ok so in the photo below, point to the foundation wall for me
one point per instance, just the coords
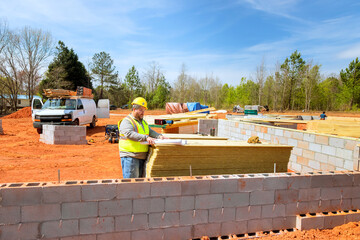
(63, 135)
(172, 208)
(311, 152)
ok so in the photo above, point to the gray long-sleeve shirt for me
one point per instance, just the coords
(128, 130)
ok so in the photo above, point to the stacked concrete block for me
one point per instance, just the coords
(63, 135)
(205, 126)
(311, 152)
(178, 208)
(1, 129)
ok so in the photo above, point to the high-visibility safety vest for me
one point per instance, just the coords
(127, 145)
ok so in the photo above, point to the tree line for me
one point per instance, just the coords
(296, 84)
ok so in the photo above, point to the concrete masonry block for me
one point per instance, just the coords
(275, 182)
(249, 212)
(282, 223)
(96, 192)
(40, 213)
(250, 184)
(165, 189)
(148, 205)
(355, 203)
(131, 222)
(286, 196)
(10, 215)
(335, 161)
(279, 132)
(79, 210)
(299, 182)
(236, 199)
(133, 190)
(148, 234)
(178, 233)
(310, 222)
(308, 154)
(257, 225)
(262, 197)
(310, 194)
(314, 165)
(322, 139)
(344, 153)
(297, 151)
(332, 220)
(62, 228)
(322, 181)
(210, 229)
(315, 147)
(19, 231)
(350, 144)
(59, 194)
(298, 135)
(20, 196)
(208, 201)
(224, 185)
(341, 204)
(331, 193)
(114, 208)
(349, 165)
(164, 219)
(273, 211)
(329, 150)
(293, 142)
(342, 180)
(283, 140)
(222, 215)
(323, 158)
(337, 142)
(179, 203)
(352, 216)
(97, 225)
(229, 228)
(114, 236)
(194, 217)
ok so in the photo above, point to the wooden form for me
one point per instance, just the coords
(341, 128)
(202, 110)
(214, 157)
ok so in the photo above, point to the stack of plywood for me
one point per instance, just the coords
(193, 137)
(349, 127)
(215, 157)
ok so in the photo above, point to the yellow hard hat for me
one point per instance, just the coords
(140, 101)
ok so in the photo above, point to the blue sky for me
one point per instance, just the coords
(224, 38)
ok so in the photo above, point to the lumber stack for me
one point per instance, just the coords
(215, 157)
(193, 137)
(347, 128)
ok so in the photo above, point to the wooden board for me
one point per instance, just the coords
(193, 137)
(348, 129)
(214, 157)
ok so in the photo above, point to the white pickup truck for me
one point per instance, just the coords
(70, 110)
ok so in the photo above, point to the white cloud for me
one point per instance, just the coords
(350, 53)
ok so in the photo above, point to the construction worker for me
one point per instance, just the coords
(134, 131)
(323, 116)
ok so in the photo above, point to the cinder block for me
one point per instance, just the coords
(62, 228)
(331, 193)
(165, 189)
(60, 194)
(194, 217)
(314, 165)
(329, 150)
(293, 142)
(114, 236)
(299, 182)
(177, 233)
(233, 227)
(19, 231)
(337, 162)
(352, 217)
(165, 219)
(195, 187)
(341, 204)
(315, 147)
(148, 234)
(208, 201)
(98, 192)
(273, 211)
(303, 145)
(260, 225)
(298, 135)
(79, 210)
(337, 142)
(279, 132)
(210, 229)
(131, 222)
(322, 139)
(222, 215)
(247, 213)
(350, 144)
(323, 158)
(344, 153)
(250, 184)
(286, 196)
(20, 196)
(349, 165)
(308, 154)
(40, 213)
(310, 222)
(114, 208)
(179, 203)
(297, 151)
(310, 194)
(275, 182)
(333, 220)
(342, 180)
(224, 185)
(281, 223)
(322, 181)
(133, 190)
(97, 225)
(236, 199)
(355, 203)
(9, 215)
(262, 197)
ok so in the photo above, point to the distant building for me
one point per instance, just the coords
(22, 101)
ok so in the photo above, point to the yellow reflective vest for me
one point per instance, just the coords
(127, 145)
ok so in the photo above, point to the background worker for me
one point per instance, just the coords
(323, 116)
(134, 130)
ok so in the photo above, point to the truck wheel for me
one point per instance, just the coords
(39, 130)
(76, 122)
(93, 123)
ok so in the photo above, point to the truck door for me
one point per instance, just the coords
(36, 105)
(80, 112)
(103, 108)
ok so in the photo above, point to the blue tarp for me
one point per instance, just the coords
(193, 106)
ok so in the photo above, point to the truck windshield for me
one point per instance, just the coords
(68, 104)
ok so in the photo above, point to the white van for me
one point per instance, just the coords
(70, 110)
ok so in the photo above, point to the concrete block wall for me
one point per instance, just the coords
(311, 152)
(172, 208)
(1, 129)
(63, 135)
(205, 125)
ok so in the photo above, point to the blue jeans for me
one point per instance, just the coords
(132, 167)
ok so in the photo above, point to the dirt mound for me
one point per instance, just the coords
(22, 113)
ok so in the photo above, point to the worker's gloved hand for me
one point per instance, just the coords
(151, 140)
(163, 137)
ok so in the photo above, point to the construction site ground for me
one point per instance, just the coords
(24, 159)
